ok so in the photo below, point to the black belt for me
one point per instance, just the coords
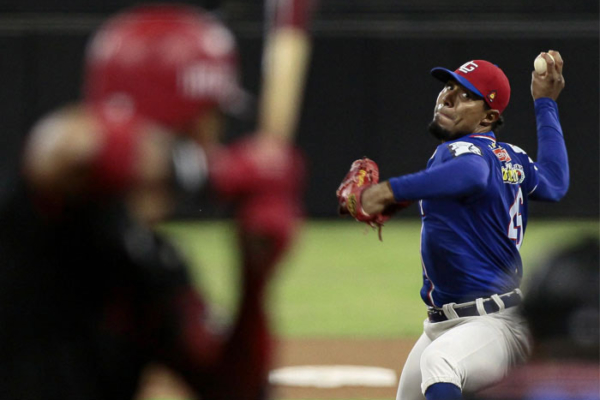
(470, 309)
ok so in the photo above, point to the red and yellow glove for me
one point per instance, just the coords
(363, 174)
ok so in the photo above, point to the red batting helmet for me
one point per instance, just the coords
(167, 62)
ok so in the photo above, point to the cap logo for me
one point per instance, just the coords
(491, 96)
(468, 67)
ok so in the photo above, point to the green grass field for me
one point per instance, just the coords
(339, 280)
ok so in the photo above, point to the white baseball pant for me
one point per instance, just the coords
(470, 352)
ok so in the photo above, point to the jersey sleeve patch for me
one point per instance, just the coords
(460, 148)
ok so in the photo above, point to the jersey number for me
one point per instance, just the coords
(515, 228)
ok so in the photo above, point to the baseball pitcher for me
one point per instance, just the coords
(473, 199)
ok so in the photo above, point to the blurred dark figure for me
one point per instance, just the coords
(562, 308)
(90, 294)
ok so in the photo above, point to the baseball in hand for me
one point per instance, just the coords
(540, 64)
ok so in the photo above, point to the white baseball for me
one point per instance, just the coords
(540, 64)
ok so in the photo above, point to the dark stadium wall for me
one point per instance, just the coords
(369, 92)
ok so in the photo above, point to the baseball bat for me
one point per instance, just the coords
(285, 64)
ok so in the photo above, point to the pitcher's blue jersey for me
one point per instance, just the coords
(470, 245)
(474, 194)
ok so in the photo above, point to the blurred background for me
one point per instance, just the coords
(368, 93)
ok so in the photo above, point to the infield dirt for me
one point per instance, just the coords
(159, 383)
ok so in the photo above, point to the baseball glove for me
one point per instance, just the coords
(363, 174)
